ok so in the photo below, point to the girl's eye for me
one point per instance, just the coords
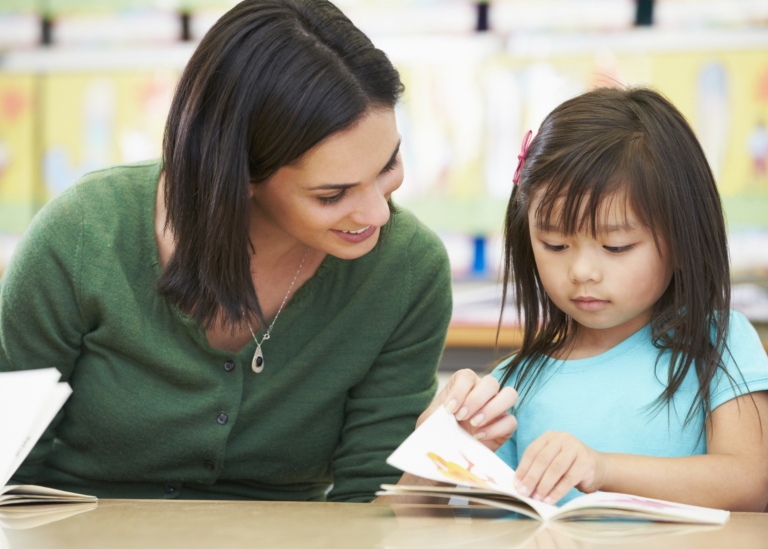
(332, 199)
(618, 249)
(554, 248)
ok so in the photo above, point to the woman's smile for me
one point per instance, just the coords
(356, 236)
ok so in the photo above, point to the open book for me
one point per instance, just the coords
(29, 400)
(442, 451)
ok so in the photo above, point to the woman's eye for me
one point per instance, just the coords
(554, 247)
(618, 249)
(392, 164)
(332, 199)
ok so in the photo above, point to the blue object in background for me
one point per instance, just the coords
(479, 264)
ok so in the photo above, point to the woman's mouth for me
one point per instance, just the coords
(357, 235)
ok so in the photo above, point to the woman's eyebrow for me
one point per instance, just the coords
(340, 186)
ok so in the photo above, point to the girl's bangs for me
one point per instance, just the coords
(580, 193)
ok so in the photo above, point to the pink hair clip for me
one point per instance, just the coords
(521, 157)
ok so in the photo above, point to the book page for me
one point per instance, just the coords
(29, 493)
(57, 396)
(28, 399)
(19, 517)
(442, 451)
(628, 505)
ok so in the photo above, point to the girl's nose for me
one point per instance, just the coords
(584, 268)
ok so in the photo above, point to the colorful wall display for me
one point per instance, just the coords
(19, 169)
(463, 124)
(95, 120)
(469, 99)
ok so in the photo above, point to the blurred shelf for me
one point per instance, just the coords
(483, 336)
(85, 59)
(636, 41)
(510, 338)
(476, 307)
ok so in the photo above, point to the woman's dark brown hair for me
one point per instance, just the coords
(634, 144)
(269, 81)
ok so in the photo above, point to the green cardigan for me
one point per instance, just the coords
(157, 412)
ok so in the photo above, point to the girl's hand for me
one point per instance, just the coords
(479, 406)
(556, 462)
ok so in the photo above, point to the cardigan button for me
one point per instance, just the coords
(208, 464)
(222, 419)
(229, 366)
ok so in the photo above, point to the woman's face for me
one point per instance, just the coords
(335, 198)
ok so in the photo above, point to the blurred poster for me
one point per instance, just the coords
(18, 167)
(95, 120)
(462, 125)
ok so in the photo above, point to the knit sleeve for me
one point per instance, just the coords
(40, 321)
(381, 411)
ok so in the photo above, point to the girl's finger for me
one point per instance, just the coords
(538, 466)
(558, 491)
(558, 470)
(528, 456)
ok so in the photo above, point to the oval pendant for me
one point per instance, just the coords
(257, 364)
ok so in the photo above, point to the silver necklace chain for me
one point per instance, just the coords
(257, 364)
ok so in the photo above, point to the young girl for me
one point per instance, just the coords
(634, 376)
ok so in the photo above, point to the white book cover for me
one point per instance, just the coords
(29, 400)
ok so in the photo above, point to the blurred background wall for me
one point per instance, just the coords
(85, 84)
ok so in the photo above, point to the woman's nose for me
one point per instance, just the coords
(373, 208)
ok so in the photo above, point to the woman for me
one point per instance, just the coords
(250, 317)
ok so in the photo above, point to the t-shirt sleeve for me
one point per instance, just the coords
(745, 360)
(381, 411)
(40, 321)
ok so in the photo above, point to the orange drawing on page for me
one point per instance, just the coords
(458, 473)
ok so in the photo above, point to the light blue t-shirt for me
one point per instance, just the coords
(608, 401)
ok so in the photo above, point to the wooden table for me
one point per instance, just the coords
(117, 524)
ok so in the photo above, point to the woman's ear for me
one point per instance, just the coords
(251, 189)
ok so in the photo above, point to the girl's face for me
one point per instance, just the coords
(607, 283)
(335, 199)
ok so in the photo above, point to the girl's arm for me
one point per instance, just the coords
(732, 475)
